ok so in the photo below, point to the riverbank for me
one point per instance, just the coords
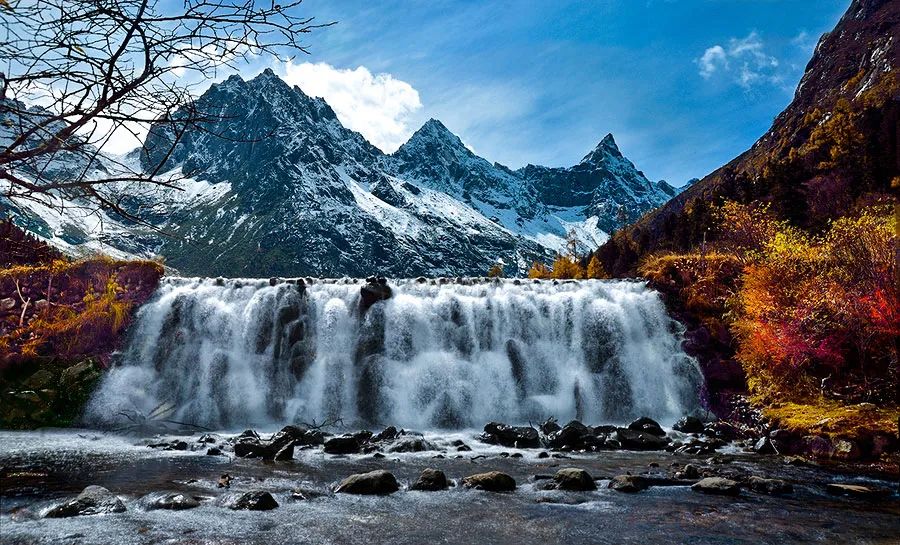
(43, 470)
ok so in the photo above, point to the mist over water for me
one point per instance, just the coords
(244, 352)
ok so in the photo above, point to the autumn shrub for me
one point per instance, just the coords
(567, 267)
(817, 314)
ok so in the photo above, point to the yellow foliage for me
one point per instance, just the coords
(595, 268)
(538, 270)
(496, 271)
(566, 267)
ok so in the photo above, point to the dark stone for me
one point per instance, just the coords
(93, 500)
(688, 424)
(373, 482)
(492, 481)
(773, 487)
(372, 292)
(430, 480)
(718, 486)
(543, 454)
(511, 436)
(628, 483)
(647, 425)
(575, 479)
(573, 435)
(224, 481)
(764, 446)
(411, 444)
(256, 500)
(858, 491)
(639, 440)
(207, 438)
(173, 501)
(387, 434)
(342, 445)
(214, 451)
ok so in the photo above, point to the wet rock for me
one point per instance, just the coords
(639, 440)
(207, 438)
(845, 450)
(628, 483)
(765, 446)
(387, 434)
(773, 487)
(170, 445)
(511, 436)
(543, 454)
(224, 481)
(279, 447)
(93, 500)
(411, 444)
(430, 480)
(255, 500)
(549, 426)
(373, 482)
(492, 481)
(574, 479)
(718, 486)
(858, 491)
(345, 444)
(690, 471)
(816, 445)
(688, 424)
(174, 501)
(214, 451)
(373, 291)
(647, 425)
(79, 376)
(573, 435)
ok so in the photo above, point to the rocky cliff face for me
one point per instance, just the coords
(847, 106)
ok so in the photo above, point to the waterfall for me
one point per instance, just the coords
(436, 354)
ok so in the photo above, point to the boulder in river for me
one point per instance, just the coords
(575, 479)
(628, 483)
(492, 481)
(255, 500)
(511, 436)
(574, 436)
(279, 447)
(411, 444)
(858, 491)
(773, 487)
(373, 482)
(93, 500)
(344, 444)
(173, 501)
(717, 485)
(647, 425)
(430, 480)
(639, 440)
(688, 424)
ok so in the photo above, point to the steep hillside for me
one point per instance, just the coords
(833, 149)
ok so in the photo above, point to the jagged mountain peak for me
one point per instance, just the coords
(606, 148)
(433, 133)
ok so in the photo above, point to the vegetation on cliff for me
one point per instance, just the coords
(59, 322)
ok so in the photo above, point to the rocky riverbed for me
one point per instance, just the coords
(82, 486)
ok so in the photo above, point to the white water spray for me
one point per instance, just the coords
(451, 355)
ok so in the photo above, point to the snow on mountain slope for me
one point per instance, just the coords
(274, 184)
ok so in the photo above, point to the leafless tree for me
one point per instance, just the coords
(75, 74)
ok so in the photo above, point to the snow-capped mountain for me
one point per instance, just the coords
(274, 184)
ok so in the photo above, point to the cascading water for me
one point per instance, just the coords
(450, 355)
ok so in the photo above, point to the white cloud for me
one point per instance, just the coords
(378, 106)
(745, 60)
(712, 59)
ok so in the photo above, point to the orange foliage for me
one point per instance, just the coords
(567, 267)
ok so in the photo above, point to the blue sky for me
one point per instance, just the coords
(684, 85)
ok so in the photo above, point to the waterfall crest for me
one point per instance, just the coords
(234, 353)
